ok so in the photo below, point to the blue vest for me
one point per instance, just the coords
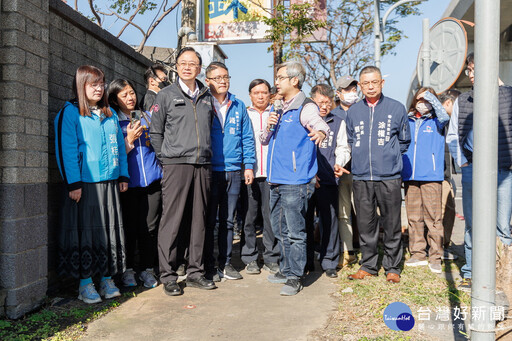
(291, 154)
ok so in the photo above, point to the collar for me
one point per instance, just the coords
(122, 116)
(224, 102)
(187, 90)
(267, 109)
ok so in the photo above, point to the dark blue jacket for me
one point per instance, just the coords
(378, 138)
(326, 156)
(233, 144)
(143, 166)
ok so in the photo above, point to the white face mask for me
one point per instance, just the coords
(423, 108)
(350, 98)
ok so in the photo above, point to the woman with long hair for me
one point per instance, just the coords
(142, 203)
(423, 174)
(91, 157)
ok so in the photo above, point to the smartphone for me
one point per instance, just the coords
(135, 115)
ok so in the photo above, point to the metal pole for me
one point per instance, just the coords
(376, 32)
(426, 52)
(485, 160)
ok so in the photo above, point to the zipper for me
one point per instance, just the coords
(261, 146)
(416, 130)
(294, 162)
(142, 162)
(370, 143)
(434, 161)
(197, 131)
(271, 160)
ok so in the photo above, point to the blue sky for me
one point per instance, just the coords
(249, 61)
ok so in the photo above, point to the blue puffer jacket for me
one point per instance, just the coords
(143, 166)
(378, 138)
(89, 148)
(233, 145)
(424, 160)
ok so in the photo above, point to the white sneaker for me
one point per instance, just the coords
(108, 289)
(148, 278)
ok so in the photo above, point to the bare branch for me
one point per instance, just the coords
(141, 2)
(152, 28)
(76, 5)
(124, 19)
(94, 12)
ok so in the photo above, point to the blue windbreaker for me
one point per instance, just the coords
(89, 148)
(143, 166)
(233, 145)
(424, 160)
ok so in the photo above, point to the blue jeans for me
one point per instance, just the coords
(288, 206)
(467, 209)
(504, 212)
(223, 198)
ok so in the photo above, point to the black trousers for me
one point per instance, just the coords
(387, 196)
(327, 206)
(258, 195)
(185, 192)
(142, 210)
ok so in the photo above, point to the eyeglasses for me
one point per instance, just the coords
(467, 72)
(374, 83)
(189, 64)
(280, 78)
(323, 104)
(97, 85)
(220, 78)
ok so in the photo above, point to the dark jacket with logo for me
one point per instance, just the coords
(326, 155)
(180, 126)
(378, 138)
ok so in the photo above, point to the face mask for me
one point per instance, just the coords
(350, 98)
(423, 108)
(163, 84)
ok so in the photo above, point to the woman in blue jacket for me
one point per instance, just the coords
(423, 174)
(91, 157)
(142, 203)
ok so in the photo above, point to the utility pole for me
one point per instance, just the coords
(278, 47)
(376, 32)
(426, 53)
(188, 23)
(485, 167)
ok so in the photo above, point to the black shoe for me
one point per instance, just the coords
(273, 268)
(172, 289)
(291, 287)
(229, 272)
(200, 283)
(331, 273)
(253, 268)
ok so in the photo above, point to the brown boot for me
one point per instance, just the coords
(360, 274)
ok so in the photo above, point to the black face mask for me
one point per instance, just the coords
(163, 84)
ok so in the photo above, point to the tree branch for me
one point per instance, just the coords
(124, 19)
(152, 28)
(94, 12)
(141, 2)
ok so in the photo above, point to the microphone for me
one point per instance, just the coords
(278, 107)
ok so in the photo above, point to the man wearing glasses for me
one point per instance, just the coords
(233, 155)
(378, 134)
(180, 134)
(155, 79)
(292, 135)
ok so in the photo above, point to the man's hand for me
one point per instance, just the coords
(317, 183)
(133, 132)
(76, 194)
(123, 186)
(273, 119)
(316, 136)
(464, 165)
(248, 176)
(339, 171)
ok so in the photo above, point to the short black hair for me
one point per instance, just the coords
(115, 87)
(191, 49)
(259, 81)
(470, 58)
(322, 89)
(370, 69)
(151, 72)
(449, 95)
(215, 66)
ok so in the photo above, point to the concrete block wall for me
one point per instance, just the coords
(42, 44)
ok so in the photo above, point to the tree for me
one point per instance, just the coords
(350, 39)
(126, 11)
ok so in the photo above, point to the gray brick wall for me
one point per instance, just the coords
(42, 43)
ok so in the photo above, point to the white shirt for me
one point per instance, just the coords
(187, 90)
(452, 136)
(221, 109)
(259, 125)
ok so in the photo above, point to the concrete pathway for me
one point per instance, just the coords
(247, 309)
